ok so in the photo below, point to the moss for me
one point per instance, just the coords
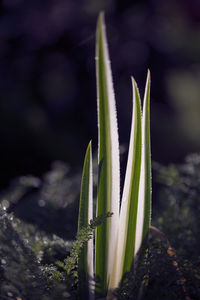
(31, 243)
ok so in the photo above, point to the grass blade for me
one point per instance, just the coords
(128, 213)
(85, 262)
(144, 207)
(108, 159)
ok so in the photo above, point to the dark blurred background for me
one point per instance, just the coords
(48, 86)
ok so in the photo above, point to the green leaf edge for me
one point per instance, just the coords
(85, 261)
(109, 184)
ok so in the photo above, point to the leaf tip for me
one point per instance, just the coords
(101, 19)
(90, 144)
(135, 87)
(148, 75)
(134, 84)
(132, 79)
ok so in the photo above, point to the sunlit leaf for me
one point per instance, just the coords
(85, 263)
(108, 160)
(144, 207)
(128, 214)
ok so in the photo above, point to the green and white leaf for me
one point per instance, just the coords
(119, 238)
(108, 160)
(85, 262)
(128, 215)
(144, 207)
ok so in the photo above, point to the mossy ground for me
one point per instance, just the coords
(38, 222)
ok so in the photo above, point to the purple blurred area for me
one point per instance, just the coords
(47, 77)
